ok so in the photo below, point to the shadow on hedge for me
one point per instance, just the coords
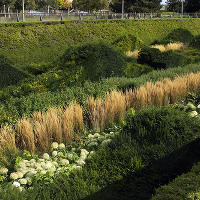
(142, 184)
(9, 74)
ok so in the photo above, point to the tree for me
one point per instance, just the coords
(65, 3)
(192, 5)
(174, 5)
(136, 5)
(90, 5)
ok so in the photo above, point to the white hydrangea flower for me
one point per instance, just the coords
(13, 176)
(21, 164)
(61, 146)
(43, 164)
(73, 149)
(3, 170)
(64, 162)
(191, 106)
(84, 151)
(90, 136)
(37, 165)
(193, 113)
(29, 180)
(96, 135)
(16, 184)
(20, 188)
(54, 145)
(198, 106)
(46, 156)
(111, 132)
(55, 163)
(77, 167)
(70, 156)
(22, 181)
(48, 165)
(80, 162)
(32, 161)
(54, 153)
(60, 154)
(20, 174)
(43, 172)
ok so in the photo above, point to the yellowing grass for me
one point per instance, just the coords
(170, 46)
(58, 124)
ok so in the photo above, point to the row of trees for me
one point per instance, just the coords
(35, 4)
(189, 5)
(114, 5)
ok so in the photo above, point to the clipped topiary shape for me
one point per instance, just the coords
(93, 61)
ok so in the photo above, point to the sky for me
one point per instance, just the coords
(163, 1)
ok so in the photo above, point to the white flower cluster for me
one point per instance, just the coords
(192, 109)
(59, 160)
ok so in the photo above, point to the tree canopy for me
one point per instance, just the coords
(192, 5)
(174, 5)
(90, 5)
(136, 5)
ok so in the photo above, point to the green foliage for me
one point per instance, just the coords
(92, 61)
(161, 60)
(185, 186)
(136, 6)
(195, 43)
(17, 101)
(138, 153)
(126, 42)
(162, 125)
(178, 35)
(135, 70)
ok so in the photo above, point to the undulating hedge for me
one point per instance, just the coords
(128, 168)
(161, 60)
(177, 35)
(16, 103)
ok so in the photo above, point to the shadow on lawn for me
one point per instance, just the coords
(142, 184)
(8, 73)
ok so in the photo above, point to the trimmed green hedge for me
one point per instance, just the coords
(128, 168)
(161, 60)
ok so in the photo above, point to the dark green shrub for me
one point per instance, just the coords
(178, 35)
(173, 59)
(152, 57)
(161, 60)
(195, 43)
(162, 125)
(93, 61)
(126, 42)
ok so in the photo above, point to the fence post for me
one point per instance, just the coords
(17, 18)
(40, 18)
(61, 18)
(80, 17)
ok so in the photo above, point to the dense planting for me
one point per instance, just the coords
(76, 80)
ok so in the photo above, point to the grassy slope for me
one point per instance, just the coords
(40, 42)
